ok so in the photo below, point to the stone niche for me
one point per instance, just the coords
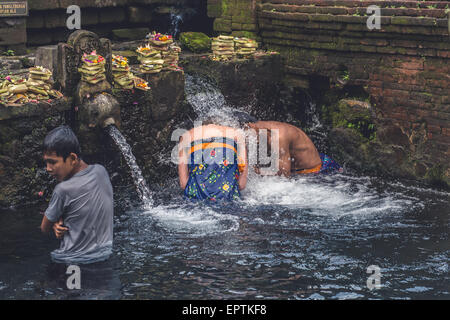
(69, 60)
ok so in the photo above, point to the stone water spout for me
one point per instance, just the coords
(101, 110)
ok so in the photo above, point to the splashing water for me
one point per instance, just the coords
(207, 100)
(203, 96)
(299, 238)
(138, 179)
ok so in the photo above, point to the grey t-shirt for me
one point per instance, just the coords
(85, 202)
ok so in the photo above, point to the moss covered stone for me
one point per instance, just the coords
(130, 34)
(195, 41)
(352, 114)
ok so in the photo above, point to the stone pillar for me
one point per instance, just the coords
(47, 57)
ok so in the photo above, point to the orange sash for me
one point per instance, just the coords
(313, 170)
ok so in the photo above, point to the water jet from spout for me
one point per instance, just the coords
(138, 179)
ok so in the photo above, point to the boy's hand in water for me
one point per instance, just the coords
(59, 229)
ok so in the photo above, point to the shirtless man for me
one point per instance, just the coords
(297, 153)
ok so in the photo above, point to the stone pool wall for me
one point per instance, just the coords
(22, 131)
(148, 119)
(402, 69)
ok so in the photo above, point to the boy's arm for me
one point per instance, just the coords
(46, 225)
(54, 212)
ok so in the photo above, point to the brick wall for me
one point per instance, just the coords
(404, 67)
(236, 17)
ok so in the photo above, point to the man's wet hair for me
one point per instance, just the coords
(211, 120)
(63, 141)
(243, 117)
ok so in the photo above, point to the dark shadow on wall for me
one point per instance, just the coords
(45, 27)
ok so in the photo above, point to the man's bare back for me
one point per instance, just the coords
(297, 151)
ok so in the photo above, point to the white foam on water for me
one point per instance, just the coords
(195, 220)
(321, 198)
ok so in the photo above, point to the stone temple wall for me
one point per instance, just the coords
(402, 69)
(115, 19)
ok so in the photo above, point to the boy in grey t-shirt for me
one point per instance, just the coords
(81, 208)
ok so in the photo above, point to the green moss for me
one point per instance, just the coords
(246, 34)
(401, 20)
(226, 7)
(195, 41)
(359, 120)
(436, 176)
(130, 34)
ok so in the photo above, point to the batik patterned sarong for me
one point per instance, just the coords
(213, 170)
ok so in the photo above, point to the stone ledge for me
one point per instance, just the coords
(12, 111)
(434, 23)
(360, 11)
(63, 4)
(364, 3)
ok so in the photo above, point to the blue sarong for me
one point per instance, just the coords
(213, 170)
(327, 166)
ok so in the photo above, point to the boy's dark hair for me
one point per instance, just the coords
(63, 141)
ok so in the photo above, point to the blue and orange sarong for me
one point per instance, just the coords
(327, 166)
(213, 170)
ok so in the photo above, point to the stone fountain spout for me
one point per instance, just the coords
(101, 110)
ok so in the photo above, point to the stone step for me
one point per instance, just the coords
(366, 43)
(363, 3)
(360, 11)
(441, 25)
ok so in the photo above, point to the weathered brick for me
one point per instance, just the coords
(89, 17)
(35, 20)
(249, 27)
(443, 54)
(43, 5)
(236, 26)
(214, 9)
(12, 36)
(222, 25)
(112, 15)
(55, 19)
